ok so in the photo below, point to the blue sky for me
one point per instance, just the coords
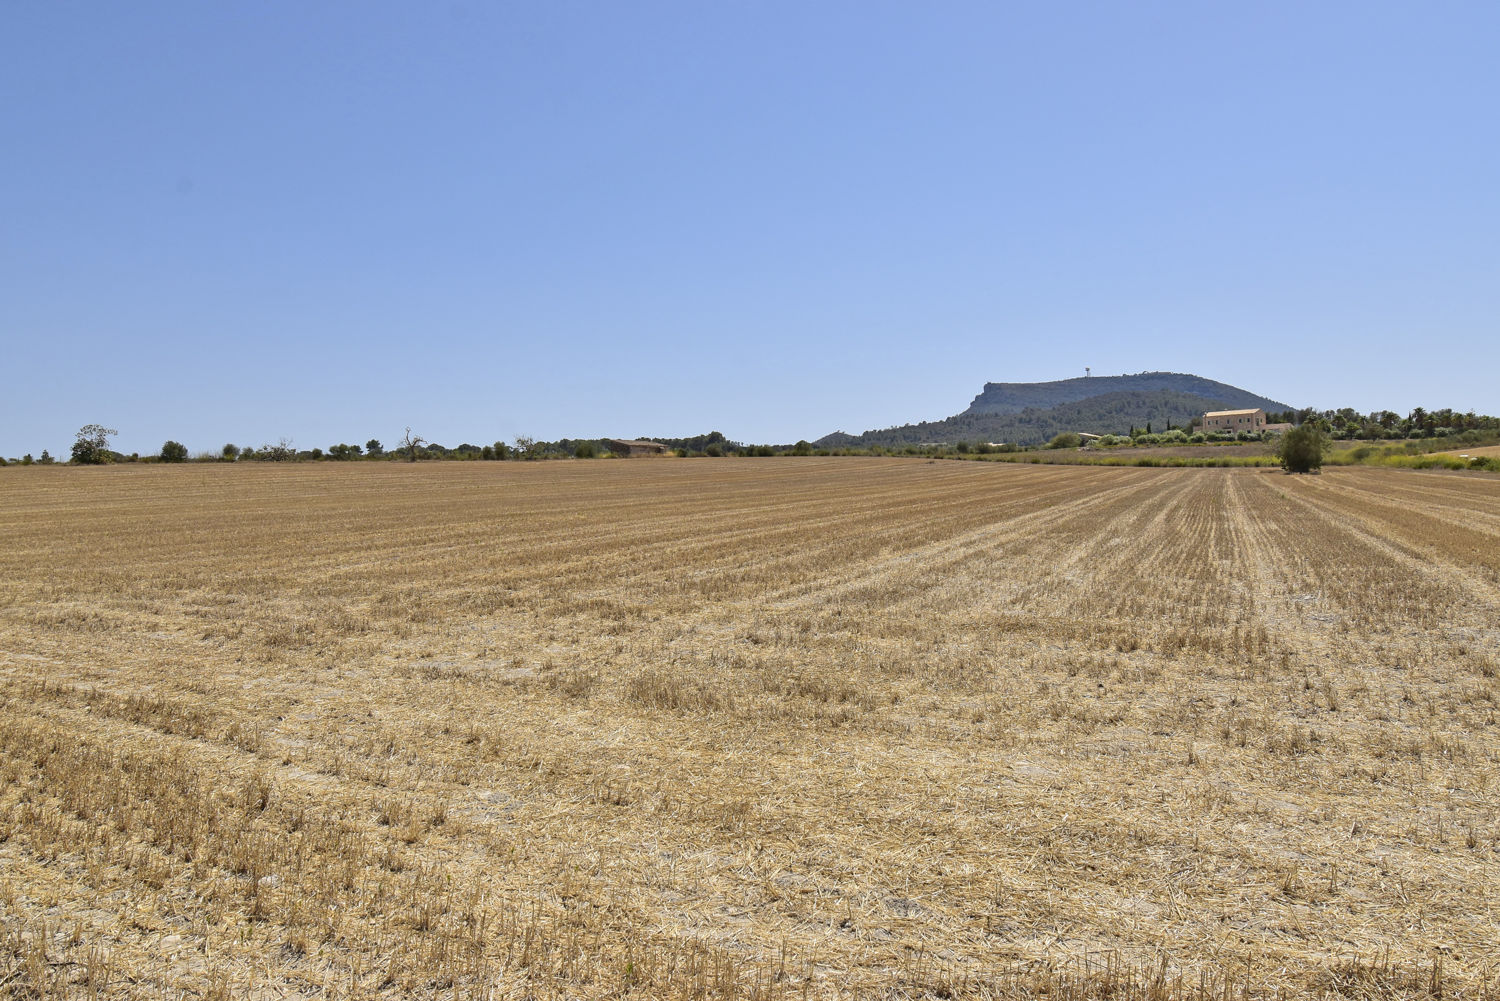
(238, 222)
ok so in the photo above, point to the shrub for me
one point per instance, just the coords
(230, 452)
(586, 450)
(1301, 449)
(173, 451)
(1067, 439)
(282, 451)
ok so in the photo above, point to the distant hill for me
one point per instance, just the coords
(1030, 413)
(1014, 397)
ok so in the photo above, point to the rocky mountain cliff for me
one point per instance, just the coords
(1014, 397)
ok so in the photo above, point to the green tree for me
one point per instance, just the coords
(173, 451)
(1068, 439)
(230, 452)
(91, 445)
(374, 449)
(1300, 450)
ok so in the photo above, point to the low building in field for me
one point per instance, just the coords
(630, 449)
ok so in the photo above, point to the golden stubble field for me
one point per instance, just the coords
(791, 727)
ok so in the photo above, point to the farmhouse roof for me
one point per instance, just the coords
(1230, 413)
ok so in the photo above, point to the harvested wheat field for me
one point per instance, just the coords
(760, 728)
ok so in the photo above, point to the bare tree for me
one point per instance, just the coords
(409, 444)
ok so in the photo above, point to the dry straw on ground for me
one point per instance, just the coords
(801, 728)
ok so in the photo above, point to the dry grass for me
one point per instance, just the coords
(1474, 450)
(759, 728)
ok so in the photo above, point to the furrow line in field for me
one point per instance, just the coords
(1379, 578)
(1468, 560)
(1268, 547)
(707, 541)
(1060, 575)
(999, 529)
(1465, 509)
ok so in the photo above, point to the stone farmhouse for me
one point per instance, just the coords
(1239, 420)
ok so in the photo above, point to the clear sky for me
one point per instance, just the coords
(234, 222)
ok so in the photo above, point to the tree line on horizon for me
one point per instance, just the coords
(91, 446)
(91, 442)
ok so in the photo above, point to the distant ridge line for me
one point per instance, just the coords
(1029, 413)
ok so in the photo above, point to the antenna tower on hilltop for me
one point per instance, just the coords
(1086, 371)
